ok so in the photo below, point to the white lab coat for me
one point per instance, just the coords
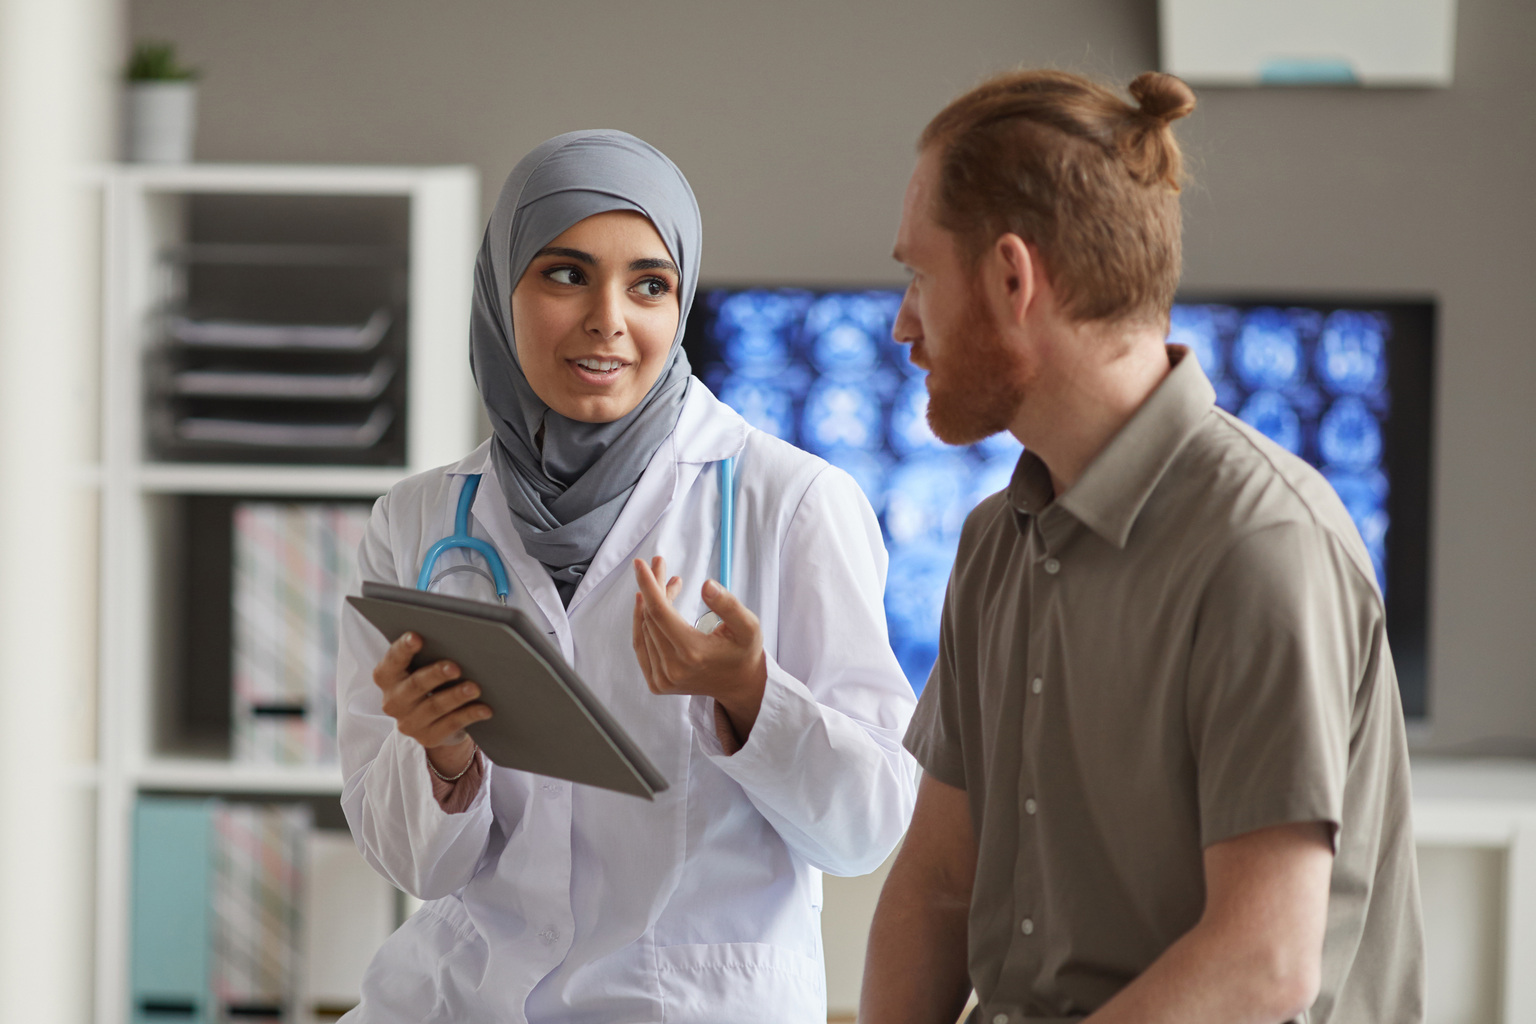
(556, 902)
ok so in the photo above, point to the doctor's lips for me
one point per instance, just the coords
(596, 370)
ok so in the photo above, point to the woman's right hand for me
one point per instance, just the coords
(433, 717)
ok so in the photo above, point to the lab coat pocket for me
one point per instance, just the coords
(422, 971)
(742, 982)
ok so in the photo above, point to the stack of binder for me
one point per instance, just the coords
(254, 897)
(292, 565)
(247, 911)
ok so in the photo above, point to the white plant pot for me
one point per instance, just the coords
(161, 118)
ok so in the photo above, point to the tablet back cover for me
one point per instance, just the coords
(545, 721)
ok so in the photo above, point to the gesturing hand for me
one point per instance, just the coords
(433, 717)
(727, 664)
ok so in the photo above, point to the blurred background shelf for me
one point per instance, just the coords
(337, 481)
(310, 274)
(208, 775)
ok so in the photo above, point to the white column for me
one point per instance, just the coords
(57, 63)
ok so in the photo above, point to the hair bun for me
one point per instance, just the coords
(1162, 96)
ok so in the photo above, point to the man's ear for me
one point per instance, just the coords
(1014, 284)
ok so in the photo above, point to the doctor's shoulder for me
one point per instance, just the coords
(780, 477)
(412, 508)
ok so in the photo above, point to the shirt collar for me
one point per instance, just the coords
(1110, 494)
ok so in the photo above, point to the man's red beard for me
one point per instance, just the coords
(980, 386)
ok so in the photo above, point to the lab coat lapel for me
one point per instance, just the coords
(654, 493)
(707, 431)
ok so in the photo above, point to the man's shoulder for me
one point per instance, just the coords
(1231, 482)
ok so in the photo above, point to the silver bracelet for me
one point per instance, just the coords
(455, 778)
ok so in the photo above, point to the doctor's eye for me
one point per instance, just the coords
(654, 287)
(565, 275)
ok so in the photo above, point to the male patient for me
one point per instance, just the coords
(1165, 775)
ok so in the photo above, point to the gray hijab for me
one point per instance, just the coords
(566, 493)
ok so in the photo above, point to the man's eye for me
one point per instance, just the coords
(564, 275)
(654, 287)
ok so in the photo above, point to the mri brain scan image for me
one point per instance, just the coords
(820, 370)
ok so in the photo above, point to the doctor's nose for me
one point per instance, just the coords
(605, 318)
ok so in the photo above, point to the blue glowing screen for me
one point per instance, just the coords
(820, 370)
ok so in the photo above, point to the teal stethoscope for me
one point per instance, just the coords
(460, 538)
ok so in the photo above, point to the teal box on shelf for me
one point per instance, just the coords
(171, 940)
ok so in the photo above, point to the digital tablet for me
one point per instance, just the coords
(546, 720)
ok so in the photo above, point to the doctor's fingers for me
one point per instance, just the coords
(678, 663)
(432, 719)
(738, 618)
(658, 601)
(447, 728)
(396, 663)
(666, 674)
(642, 650)
(403, 695)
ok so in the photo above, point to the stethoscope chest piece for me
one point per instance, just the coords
(707, 622)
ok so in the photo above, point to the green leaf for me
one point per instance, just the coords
(156, 62)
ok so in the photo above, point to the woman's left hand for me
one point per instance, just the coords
(727, 664)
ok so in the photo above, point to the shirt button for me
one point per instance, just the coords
(551, 787)
(1052, 566)
(548, 936)
(1001, 1018)
(1029, 806)
(1036, 685)
(1027, 927)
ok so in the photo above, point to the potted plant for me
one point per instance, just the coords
(162, 105)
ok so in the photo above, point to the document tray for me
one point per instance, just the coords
(546, 721)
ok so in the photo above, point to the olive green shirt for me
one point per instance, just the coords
(1186, 646)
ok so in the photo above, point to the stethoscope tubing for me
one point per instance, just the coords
(460, 538)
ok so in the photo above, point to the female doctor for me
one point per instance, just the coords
(780, 731)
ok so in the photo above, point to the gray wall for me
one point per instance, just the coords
(795, 122)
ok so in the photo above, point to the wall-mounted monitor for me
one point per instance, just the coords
(1345, 384)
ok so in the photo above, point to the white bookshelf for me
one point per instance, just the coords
(1488, 805)
(145, 216)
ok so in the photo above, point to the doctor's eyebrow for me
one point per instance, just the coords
(582, 256)
(570, 254)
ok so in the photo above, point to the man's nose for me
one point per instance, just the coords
(907, 329)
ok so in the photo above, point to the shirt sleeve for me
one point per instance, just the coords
(824, 762)
(388, 796)
(1285, 631)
